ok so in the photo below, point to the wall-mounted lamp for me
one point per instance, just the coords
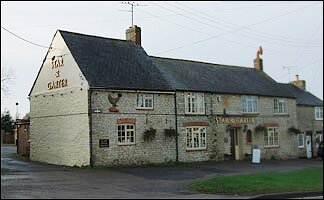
(245, 128)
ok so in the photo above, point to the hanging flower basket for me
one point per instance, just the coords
(260, 128)
(293, 129)
(149, 135)
(170, 132)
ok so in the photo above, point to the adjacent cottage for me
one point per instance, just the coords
(309, 131)
(102, 101)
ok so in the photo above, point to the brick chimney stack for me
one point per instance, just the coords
(299, 83)
(133, 33)
(258, 63)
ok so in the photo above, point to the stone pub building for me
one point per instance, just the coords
(102, 101)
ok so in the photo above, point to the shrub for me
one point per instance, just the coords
(170, 132)
(149, 135)
(260, 128)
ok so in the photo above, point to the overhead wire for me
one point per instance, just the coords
(238, 29)
(263, 34)
(236, 33)
(23, 38)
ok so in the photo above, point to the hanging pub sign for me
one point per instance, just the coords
(235, 120)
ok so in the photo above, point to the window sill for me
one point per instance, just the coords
(129, 144)
(270, 147)
(319, 119)
(138, 108)
(301, 147)
(250, 114)
(280, 115)
(193, 150)
(195, 114)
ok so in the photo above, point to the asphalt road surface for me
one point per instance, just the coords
(26, 179)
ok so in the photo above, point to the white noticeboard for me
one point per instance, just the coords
(256, 156)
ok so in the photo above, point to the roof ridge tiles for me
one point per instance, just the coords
(201, 62)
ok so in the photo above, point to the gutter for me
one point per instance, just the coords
(90, 125)
(176, 125)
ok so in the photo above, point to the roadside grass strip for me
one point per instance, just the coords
(308, 179)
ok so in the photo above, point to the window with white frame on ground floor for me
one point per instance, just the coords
(271, 137)
(194, 103)
(249, 104)
(318, 137)
(144, 101)
(300, 140)
(280, 106)
(126, 134)
(319, 113)
(196, 137)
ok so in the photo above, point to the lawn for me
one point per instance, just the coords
(309, 179)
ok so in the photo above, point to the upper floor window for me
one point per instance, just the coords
(280, 106)
(249, 104)
(145, 101)
(319, 113)
(271, 137)
(194, 103)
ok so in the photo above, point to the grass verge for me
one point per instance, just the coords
(308, 179)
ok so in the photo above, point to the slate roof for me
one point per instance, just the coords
(120, 64)
(303, 97)
(112, 63)
(199, 76)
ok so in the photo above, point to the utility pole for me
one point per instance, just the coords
(132, 4)
(17, 111)
(289, 68)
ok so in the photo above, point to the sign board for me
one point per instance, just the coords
(256, 156)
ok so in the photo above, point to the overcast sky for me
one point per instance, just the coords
(290, 33)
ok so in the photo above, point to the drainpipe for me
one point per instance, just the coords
(176, 124)
(90, 125)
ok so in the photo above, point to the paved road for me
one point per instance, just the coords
(25, 179)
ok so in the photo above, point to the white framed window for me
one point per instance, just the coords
(194, 103)
(144, 101)
(300, 140)
(249, 104)
(126, 134)
(196, 137)
(280, 106)
(319, 113)
(271, 137)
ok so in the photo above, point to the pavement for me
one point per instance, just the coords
(28, 179)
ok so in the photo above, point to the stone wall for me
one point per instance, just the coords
(104, 126)
(163, 149)
(307, 123)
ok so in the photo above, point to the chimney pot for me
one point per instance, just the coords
(299, 83)
(296, 77)
(258, 63)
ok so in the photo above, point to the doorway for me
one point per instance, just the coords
(236, 144)
(309, 150)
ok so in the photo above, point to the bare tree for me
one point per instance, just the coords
(7, 78)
